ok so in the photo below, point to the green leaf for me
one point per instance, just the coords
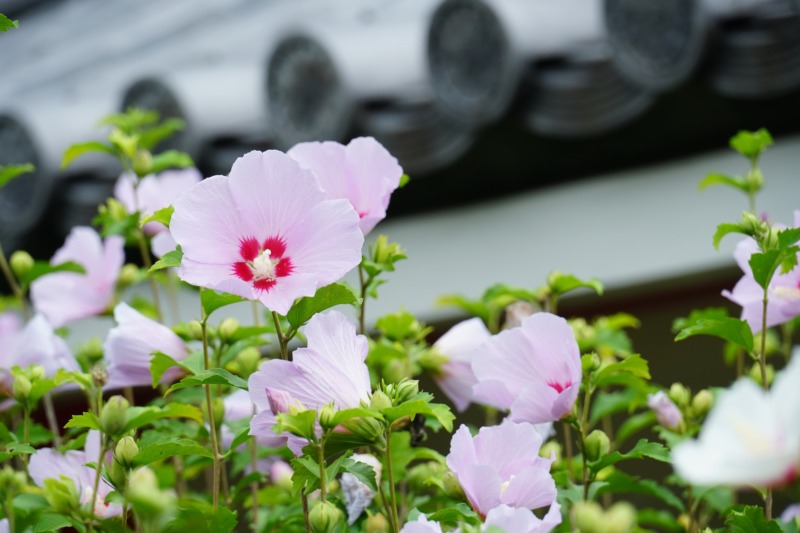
(77, 150)
(643, 448)
(455, 514)
(325, 298)
(163, 215)
(170, 259)
(160, 363)
(42, 268)
(301, 423)
(150, 138)
(201, 517)
(362, 471)
(635, 424)
(403, 453)
(621, 483)
(404, 179)
(212, 376)
(728, 328)
(85, 420)
(140, 416)
(9, 172)
(439, 411)
(168, 447)
(715, 178)
(633, 365)
(608, 403)
(788, 237)
(471, 307)
(751, 143)
(564, 283)
(7, 24)
(724, 229)
(751, 519)
(348, 414)
(305, 476)
(170, 159)
(764, 266)
(51, 522)
(241, 437)
(212, 300)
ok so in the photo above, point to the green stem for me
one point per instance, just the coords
(256, 314)
(282, 339)
(362, 308)
(323, 482)
(148, 262)
(306, 522)
(26, 435)
(10, 511)
(52, 421)
(392, 494)
(212, 423)
(12, 282)
(762, 359)
(99, 469)
(584, 422)
(568, 450)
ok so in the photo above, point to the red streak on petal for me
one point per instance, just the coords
(284, 267)
(559, 387)
(263, 284)
(242, 271)
(276, 246)
(248, 248)
(362, 214)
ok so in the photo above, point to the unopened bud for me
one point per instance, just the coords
(754, 180)
(549, 449)
(21, 263)
(36, 372)
(380, 401)
(397, 370)
(750, 223)
(771, 240)
(667, 413)
(128, 275)
(145, 494)
(228, 328)
(195, 330)
(21, 388)
(90, 351)
(590, 362)
(114, 415)
(326, 415)
(61, 494)
(142, 163)
(118, 475)
(99, 375)
(325, 517)
(279, 401)
(367, 428)
(407, 389)
(587, 517)
(249, 359)
(620, 518)
(680, 395)
(452, 487)
(117, 209)
(702, 402)
(376, 523)
(596, 445)
(755, 374)
(126, 451)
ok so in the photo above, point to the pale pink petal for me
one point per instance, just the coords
(38, 344)
(460, 345)
(520, 520)
(281, 297)
(238, 405)
(456, 381)
(123, 191)
(507, 448)
(162, 243)
(422, 525)
(261, 427)
(482, 486)
(531, 488)
(493, 393)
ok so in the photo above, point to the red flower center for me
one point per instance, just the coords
(262, 264)
(559, 387)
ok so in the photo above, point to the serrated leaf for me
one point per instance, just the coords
(162, 362)
(9, 172)
(170, 159)
(163, 215)
(168, 447)
(325, 298)
(7, 24)
(728, 328)
(140, 416)
(200, 517)
(715, 178)
(643, 448)
(77, 150)
(751, 519)
(213, 300)
(439, 411)
(171, 259)
(212, 376)
(362, 471)
(51, 522)
(454, 514)
(150, 138)
(633, 365)
(788, 237)
(764, 266)
(724, 229)
(85, 420)
(564, 283)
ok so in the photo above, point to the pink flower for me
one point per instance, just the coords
(239, 406)
(330, 369)
(35, 344)
(363, 172)
(129, 349)
(501, 465)
(667, 413)
(460, 345)
(533, 370)
(750, 437)
(66, 296)
(265, 232)
(48, 463)
(155, 191)
(783, 294)
(422, 525)
(518, 520)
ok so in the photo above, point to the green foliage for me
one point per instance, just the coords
(643, 448)
(751, 519)
(163, 215)
(141, 416)
(7, 24)
(325, 298)
(438, 411)
(621, 372)
(171, 259)
(9, 172)
(715, 178)
(621, 483)
(42, 268)
(201, 517)
(166, 447)
(170, 159)
(560, 284)
(212, 376)
(727, 328)
(751, 144)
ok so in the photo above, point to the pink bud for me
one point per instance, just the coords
(279, 401)
(667, 413)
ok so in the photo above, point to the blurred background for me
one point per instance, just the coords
(539, 135)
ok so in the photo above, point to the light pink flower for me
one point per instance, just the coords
(517, 520)
(265, 232)
(155, 191)
(239, 406)
(48, 463)
(363, 172)
(501, 465)
(750, 437)
(533, 370)
(130, 345)
(667, 413)
(422, 525)
(35, 344)
(330, 369)
(783, 294)
(790, 513)
(66, 296)
(460, 344)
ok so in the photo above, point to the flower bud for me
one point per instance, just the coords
(128, 275)
(117, 210)
(754, 180)
(114, 415)
(325, 517)
(587, 517)
(397, 370)
(21, 388)
(218, 406)
(228, 328)
(195, 330)
(755, 374)
(407, 389)
(36, 372)
(702, 402)
(679, 394)
(750, 223)
(590, 362)
(21, 263)
(326, 415)
(620, 518)
(596, 445)
(142, 163)
(248, 359)
(549, 449)
(376, 523)
(118, 474)
(126, 451)
(367, 428)
(667, 413)
(145, 495)
(771, 241)
(90, 352)
(279, 401)
(452, 487)
(99, 375)
(380, 401)
(61, 494)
